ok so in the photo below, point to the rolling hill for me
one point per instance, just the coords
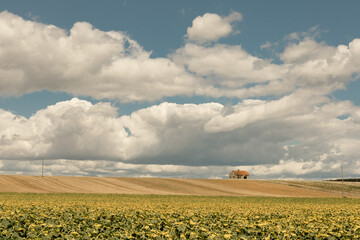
(172, 186)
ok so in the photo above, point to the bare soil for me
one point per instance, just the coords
(168, 186)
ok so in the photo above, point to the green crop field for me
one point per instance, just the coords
(93, 216)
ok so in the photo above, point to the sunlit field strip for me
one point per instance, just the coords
(107, 216)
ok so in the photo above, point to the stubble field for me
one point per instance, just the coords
(172, 186)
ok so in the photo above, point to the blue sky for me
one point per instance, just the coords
(276, 65)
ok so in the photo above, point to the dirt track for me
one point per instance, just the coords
(210, 187)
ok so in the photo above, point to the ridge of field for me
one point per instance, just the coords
(172, 186)
(350, 189)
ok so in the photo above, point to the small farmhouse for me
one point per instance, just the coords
(239, 174)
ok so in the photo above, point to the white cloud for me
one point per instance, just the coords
(228, 70)
(169, 137)
(165, 137)
(235, 72)
(77, 129)
(103, 168)
(251, 111)
(316, 65)
(232, 65)
(211, 27)
(307, 50)
(109, 65)
(16, 134)
(265, 45)
(83, 61)
(110, 169)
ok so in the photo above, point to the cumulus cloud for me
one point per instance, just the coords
(228, 70)
(103, 168)
(79, 130)
(162, 137)
(250, 111)
(211, 27)
(83, 61)
(316, 65)
(169, 137)
(233, 70)
(307, 50)
(16, 133)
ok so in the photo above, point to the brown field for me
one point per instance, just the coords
(171, 186)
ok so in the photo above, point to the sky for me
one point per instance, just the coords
(184, 89)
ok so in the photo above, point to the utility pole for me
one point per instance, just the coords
(42, 168)
(342, 182)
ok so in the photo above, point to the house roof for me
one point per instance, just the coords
(240, 172)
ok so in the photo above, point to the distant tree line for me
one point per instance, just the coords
(346, 180)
